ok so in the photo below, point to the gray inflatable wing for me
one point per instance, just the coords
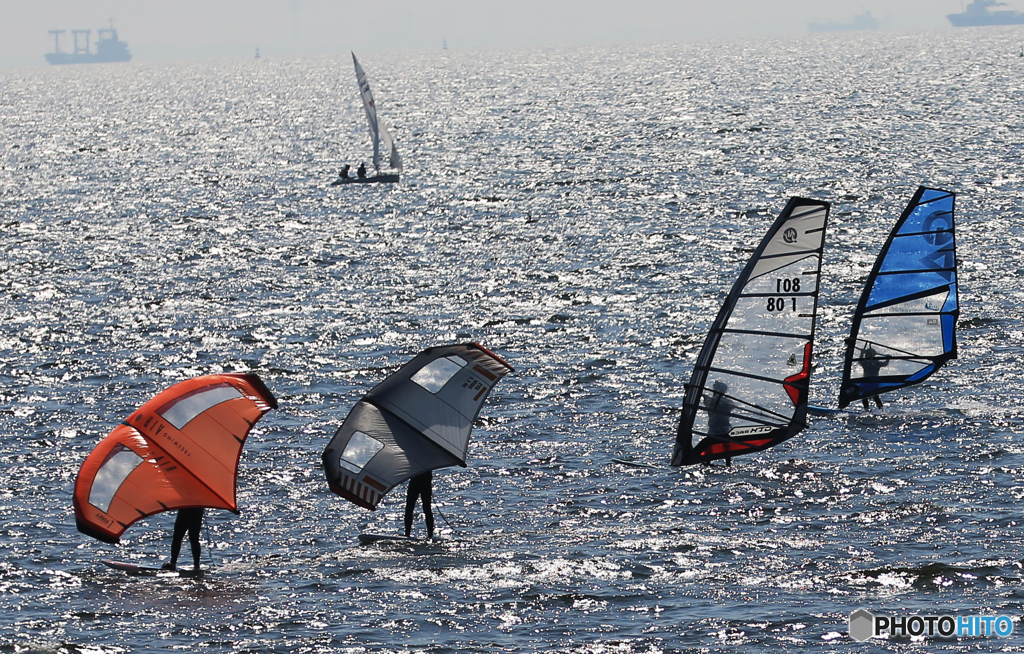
(418, 419)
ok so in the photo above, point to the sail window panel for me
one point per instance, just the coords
(750, 403)
(803, 266)
(900, 368)
(787, 275)
(913, 335)
(782, 314)
(931, 304)
(120, 463)
(182, 410)
(438, 372)
(761, 355)
(891, 287)
(359, 450)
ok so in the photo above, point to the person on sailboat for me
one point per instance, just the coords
(188, 521)
(719, 412)
(344, 172)
(361, 171)
(872, 365)
(420, 486)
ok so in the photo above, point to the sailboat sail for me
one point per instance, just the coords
(904, 327)
(378, 133)
(416, 420)
(178, 450)
(748, 391)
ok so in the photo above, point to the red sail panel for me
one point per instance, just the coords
(181, 449)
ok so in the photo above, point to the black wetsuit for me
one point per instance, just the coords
(719, 417)
(872, 365)
(361, 171)
(420, 486)
(188, 521)
(344, 172)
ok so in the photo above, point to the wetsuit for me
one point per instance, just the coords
(872, 365)
(420, 486)
(720, 414)
(188, 521)
(361, 171)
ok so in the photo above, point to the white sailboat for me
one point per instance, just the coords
(379, 135)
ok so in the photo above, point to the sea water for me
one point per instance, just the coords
(580, 211)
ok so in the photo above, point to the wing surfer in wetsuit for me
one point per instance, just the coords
(420, 486)
(188, 521)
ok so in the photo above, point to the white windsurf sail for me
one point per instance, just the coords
(749, 386)
(379, 134)
(416, 420)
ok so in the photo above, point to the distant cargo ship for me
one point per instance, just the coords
(864, 21)
(977, 14)
(108, 48)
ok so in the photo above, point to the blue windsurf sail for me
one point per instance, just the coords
(904, 328)
(748, 391)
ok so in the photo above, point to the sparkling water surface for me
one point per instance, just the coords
(580, 211)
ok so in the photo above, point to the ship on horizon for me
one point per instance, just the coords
(863, 21)
(977, 14)
(108, 48)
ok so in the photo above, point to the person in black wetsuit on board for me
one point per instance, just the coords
(719, 412)
(872, 365)
(420, 486)
(344, 172)
(361, 171)
(188, 521)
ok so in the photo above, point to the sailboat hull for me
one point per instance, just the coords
(377, 179)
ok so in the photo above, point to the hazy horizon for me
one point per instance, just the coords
(287, 28)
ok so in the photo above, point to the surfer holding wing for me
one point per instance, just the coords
(188, 521)
(420, 486)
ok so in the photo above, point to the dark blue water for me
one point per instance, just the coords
(582, 212)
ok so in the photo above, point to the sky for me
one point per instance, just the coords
(204, 29)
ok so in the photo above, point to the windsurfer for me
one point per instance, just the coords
(187, 521)
(719, 408)
(361, 171)
(872, 365)
(420, 486)
(344, 172)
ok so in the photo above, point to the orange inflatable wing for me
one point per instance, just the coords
(180, 449)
